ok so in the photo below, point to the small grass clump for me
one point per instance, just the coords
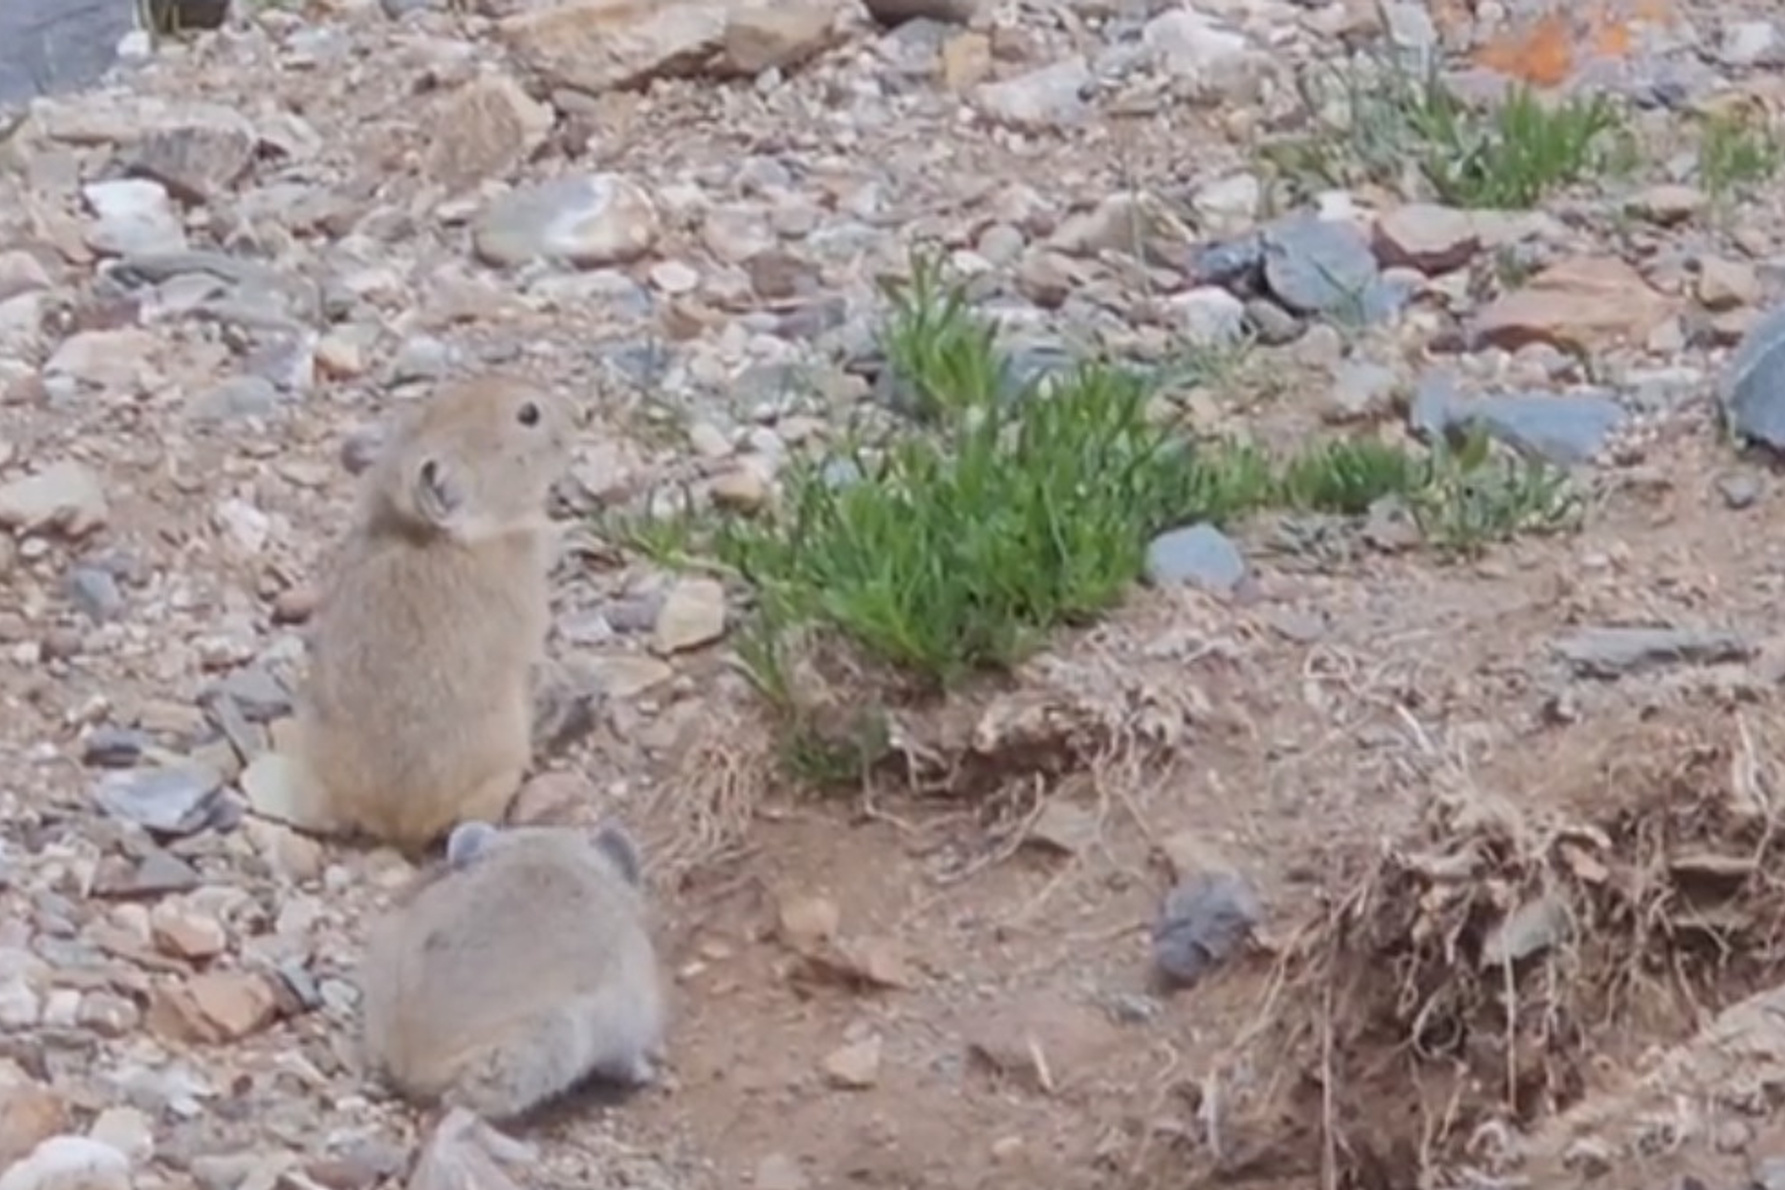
(1390, 125)
(1011, 510)
(1736, 151)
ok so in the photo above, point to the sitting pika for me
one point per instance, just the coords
(417, 711)
(515, 969)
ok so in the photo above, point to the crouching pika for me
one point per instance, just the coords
(514, 970)
(417, 710)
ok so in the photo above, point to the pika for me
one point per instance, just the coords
(518, 967)
(417, 710)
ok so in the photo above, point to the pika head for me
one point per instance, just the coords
(476, 459)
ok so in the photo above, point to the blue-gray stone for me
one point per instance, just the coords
(95, 592)
(1200, 555)
(1752, 388)
(1560, 428)
(1203, 923)
(1565, 429)
(1324, 266)
(52, 46)
(175, 800)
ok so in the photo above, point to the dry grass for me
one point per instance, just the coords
(1463, 983)
(700, 814)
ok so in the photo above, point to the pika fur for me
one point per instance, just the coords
(513, 970)
(417, 712)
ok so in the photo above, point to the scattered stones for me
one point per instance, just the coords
(1201, 555)
(1615, 652)
(588, 220)
(69, 1163)
(175, 450)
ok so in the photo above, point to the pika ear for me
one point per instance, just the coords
(437, 496)
(613, 841)
(468, 841)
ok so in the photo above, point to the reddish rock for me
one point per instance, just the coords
(1579, 305)
(1425, 236)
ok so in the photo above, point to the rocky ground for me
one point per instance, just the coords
(218, 274)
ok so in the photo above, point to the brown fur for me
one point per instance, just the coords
(417, 712)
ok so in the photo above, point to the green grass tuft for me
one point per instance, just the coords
(1736, 152)
(1385, 124)
(1012, 510)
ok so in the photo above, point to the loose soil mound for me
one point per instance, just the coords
(1483, 974)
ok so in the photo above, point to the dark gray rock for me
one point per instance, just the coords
(1236, 265)
(111, 747)
(1752, 388)
(1200, 555)
(157, 874)
(176, 800)
(1203, 923)
(1613, 652)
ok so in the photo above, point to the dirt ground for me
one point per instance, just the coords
(1305, 760)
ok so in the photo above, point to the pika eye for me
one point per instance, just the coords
(529, 414)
